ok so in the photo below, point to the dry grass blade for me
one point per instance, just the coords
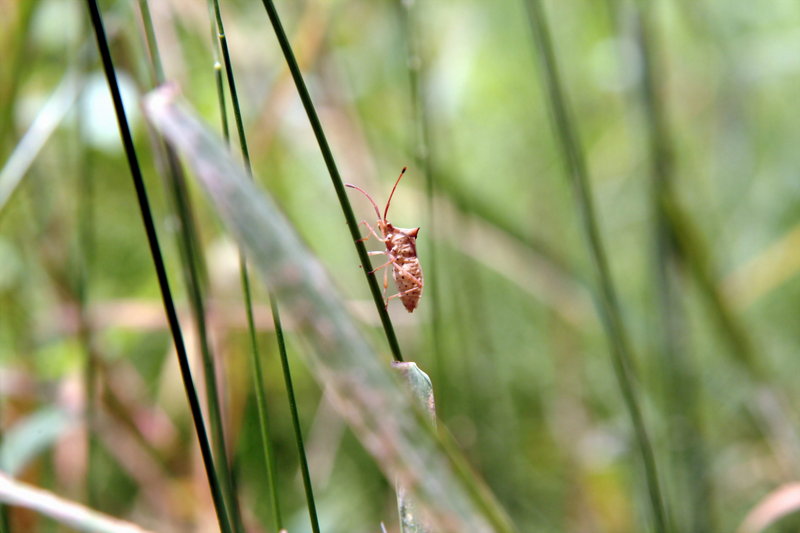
(66, 512)
(777, 504)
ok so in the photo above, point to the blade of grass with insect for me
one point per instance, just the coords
(363, 390)
(336, 179)
(606, 296)
(287, 374)
(161, 273)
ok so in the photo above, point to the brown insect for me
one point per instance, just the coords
(401, 249)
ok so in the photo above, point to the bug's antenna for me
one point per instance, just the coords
(385, 211)
(362, 191)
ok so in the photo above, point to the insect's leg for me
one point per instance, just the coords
(403, 293)
(364, 239)
(387, 263)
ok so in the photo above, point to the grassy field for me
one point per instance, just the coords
(608, 200)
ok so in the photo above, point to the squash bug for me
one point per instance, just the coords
(401, 250)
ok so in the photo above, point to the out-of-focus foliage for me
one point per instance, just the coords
(506, 328)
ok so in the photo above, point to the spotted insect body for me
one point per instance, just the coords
(401, 253)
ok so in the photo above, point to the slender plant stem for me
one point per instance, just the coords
(336, 179)
(85, 254)
(261, 394)
(158, 261)
(606, 297)
(194, 278)
(226, 62)
(16, 65)
(298, 431)
(682, 396)
(258, 372)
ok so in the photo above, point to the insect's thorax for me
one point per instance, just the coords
(401, 242)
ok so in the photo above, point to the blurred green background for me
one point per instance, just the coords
(692, 102)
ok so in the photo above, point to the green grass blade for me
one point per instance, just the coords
(336, 179)
(158, 261)
(193, 274)
(681, 391)
(287, 376)
(364, 392)
(16, 65)
(608, 305)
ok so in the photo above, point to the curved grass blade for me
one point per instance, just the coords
(388, 423)
(421, 388)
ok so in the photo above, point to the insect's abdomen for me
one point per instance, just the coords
(407, 272)
(408, 276)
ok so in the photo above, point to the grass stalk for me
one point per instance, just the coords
(158, 261)
(685, 424)
(194, 279)
(606, 297)
(258, 372)
(261, 397)
(84, 263)
(298, 431)
(338, 185)
(287, 376)
(17, 64)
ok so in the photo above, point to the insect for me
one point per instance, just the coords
(401, 250)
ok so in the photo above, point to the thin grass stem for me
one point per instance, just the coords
(258, 372)
(680, 385)
(338, 185)
(194, 279)
(606, 297)
(17, 64)
(261, 393)
(298, 431)
(158, 261)
(85, 261)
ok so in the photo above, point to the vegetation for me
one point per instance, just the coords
(606, 200)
